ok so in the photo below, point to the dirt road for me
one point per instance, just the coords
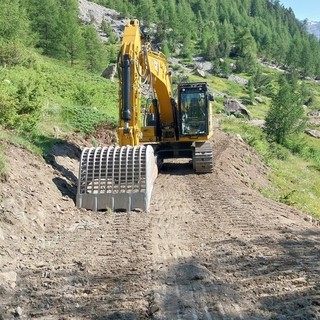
(211, 246)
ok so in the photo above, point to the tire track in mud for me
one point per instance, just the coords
(232, 254)
(265, 250)
(186, 288)
(95, 266)
(170, 213)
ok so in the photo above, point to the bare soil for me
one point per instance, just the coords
(211, 246)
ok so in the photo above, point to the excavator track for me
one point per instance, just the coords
(116, 178)
(202, 157)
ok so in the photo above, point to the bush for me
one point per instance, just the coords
(83, 118)
(279, 152)
(14, 53)
(20, 105)
(8, 101)
(301, 147)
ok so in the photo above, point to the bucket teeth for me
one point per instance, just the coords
(116, 178)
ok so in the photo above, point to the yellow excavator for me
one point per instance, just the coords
(121, 177)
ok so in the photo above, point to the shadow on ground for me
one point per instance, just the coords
(51, 148)
(235, 284)
(218, 285)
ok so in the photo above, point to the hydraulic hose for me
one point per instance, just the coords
(126, 113)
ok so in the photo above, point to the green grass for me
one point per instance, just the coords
(259, 110)
(296, 183)
(24, 142)
(314, 89)
(226, 86)
(66, 93)
(295, 169)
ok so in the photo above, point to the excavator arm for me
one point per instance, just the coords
(130, 69)
(138, 64)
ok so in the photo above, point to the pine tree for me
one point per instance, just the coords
(246, 50)
(70, 32)
(93, 49)
(294, 52)
(45, 16)
(187, 47)
(285, 116)
(146, 12)
(14, 23)
(251, 89)
(306, 59)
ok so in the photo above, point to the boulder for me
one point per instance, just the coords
(234, 107)
(233, 66)
(313, 133)
(246, 102)
(109, 72)
(258, 123)
(314, 114)
(259, 100)
(199, 72)
(237, 79)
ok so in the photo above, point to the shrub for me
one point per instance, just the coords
(83, 118)
(20, 105)
(14, 53)
(279, 152)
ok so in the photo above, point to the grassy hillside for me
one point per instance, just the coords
(48, 97)
(294, 166)
(295, 169)
(62, 91)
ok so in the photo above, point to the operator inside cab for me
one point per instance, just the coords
(193, 113)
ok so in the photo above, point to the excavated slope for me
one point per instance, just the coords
(211, 246)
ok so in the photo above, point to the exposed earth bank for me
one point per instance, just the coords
(211, 246)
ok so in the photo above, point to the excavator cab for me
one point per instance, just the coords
(194, 109)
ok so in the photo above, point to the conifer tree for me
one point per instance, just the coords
(246, 50)
(93, 49)
(70, 32)
(45, 16)
(285, 116)
(14, 23)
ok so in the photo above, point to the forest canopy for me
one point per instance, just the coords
(241, 29)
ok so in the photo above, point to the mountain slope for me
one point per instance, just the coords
(313, 27)
(238, 29)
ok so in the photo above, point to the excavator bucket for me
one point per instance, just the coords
(116, 178)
